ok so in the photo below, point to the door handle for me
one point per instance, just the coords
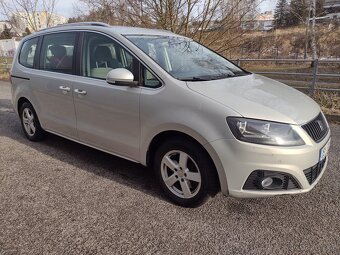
(81, 92)
(64, 88)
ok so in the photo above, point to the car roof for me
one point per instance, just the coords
(103, 27)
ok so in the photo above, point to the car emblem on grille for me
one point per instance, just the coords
(320, 125)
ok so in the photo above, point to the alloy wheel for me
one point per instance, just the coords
(181, 174)
(28, 121)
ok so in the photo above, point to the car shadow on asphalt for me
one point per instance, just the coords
(102, 164)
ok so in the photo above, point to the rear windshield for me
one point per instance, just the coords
(186, 59)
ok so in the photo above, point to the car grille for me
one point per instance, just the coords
(313, 172)
(317, 128)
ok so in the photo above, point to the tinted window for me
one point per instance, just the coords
(27, 53)
(101, 54)
(57, 52)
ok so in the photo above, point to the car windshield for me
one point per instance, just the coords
(186, 59)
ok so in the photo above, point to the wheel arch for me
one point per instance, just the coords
(20, 102)
(162, 136)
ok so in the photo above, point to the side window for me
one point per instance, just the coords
(150, 80)
(57, 52)
(101, 54)
(27, 53)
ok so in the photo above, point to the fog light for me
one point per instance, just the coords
(273, 182)
(266, 182)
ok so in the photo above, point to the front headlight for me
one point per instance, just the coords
(264, 132)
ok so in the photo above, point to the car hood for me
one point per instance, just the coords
(258, 97)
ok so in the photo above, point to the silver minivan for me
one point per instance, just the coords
(202, 123)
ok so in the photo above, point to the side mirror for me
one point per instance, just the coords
(121, 77)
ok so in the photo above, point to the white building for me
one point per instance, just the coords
(263, 22)
(8, 47)
(38, 20)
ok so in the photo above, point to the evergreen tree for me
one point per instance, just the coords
(27, 31)
(298, 11)
(6, 33)
(74, 20)
(320, 11)
(281, 14)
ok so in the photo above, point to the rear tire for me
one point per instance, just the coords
(30, 123)
(184, 171)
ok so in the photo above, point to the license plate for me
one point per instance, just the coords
(324, 150)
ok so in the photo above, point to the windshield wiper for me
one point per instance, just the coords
(194, 79)
(213, 77)
(242, 74)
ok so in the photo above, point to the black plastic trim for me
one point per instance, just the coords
(313, 172)
(79, 53)
(288, 181)
(313, 129)
(20, 77)
(37, 54)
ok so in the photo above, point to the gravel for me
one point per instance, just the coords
(60, 197)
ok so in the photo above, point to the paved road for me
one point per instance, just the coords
(59, 197)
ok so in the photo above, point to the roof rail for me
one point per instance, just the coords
(99, 24)
(89, 23)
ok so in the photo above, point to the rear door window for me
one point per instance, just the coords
(57, 52)
(27, 53)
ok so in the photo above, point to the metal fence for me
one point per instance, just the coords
(332, 83)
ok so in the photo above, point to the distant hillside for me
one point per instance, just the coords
(289, 43)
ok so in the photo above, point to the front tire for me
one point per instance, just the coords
(30, 123)
(184, 172)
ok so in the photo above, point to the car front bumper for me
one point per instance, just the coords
(240, 159)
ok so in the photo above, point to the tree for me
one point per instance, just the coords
(298, 11)
(74, 19)
(215, 23)
(6, 33)
(18, 10)
(297, 43)
(281, 14)
(314, 46)
(320, 11)
(27, 31)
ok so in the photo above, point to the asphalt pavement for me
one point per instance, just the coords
(60, 197)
